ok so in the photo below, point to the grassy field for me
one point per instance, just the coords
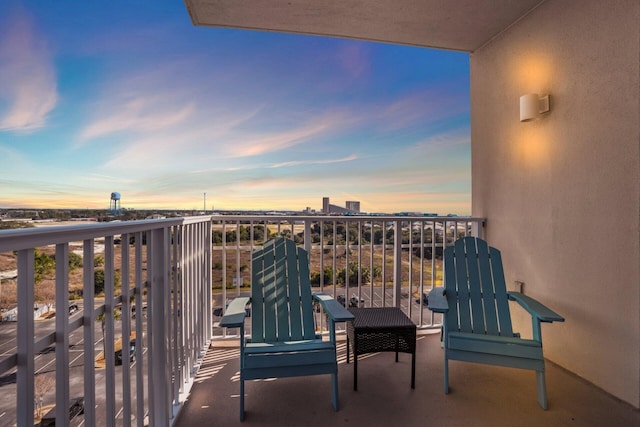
(236, 262)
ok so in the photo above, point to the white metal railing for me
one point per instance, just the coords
(172, 268)
(165, 266)
(385, 260)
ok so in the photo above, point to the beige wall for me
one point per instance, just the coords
(562, 194)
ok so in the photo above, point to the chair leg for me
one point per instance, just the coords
(446, 376)
(334, 391)
(241, 399)
(542, 389)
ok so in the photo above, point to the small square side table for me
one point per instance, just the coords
(379, 329)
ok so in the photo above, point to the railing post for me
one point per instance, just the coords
(397, 263)
(126, 329)
(208, 320)
(24, 337)
(109, 330)
(307, 235)
(88, 300)
(139, 287)
(159, 308)
(62, 332)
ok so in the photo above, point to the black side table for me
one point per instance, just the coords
(375, 330)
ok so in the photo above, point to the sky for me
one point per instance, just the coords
(128, 96)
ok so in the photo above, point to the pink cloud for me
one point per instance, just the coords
(28, 77)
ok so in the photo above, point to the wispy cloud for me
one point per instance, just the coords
(447, 141)
(292, 163)
(355, 60)
(426, 105)
(262, 144)
(139, 114)
(28, 77)
(315, 162)
(11, 160)
(145, 102)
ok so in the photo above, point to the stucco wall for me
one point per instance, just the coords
(562, 194)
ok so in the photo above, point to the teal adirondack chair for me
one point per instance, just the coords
(283, 340)
(477, 321)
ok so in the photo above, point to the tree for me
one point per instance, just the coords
(258, 233)
(244, 233)
(328, 276)
(75, 261)
(103, 320)
(216, 237)
(43, 264)
(390, 235)
(98, 281)
(9, 295)
(41, 385)
(377, 237)
(45, 293)
(353, 274)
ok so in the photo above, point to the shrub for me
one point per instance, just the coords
(43, 264)
(98, 278)
(75, 261)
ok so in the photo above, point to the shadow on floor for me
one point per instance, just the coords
(480, 395)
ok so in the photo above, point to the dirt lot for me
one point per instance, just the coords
(7, 262)
(45, 291)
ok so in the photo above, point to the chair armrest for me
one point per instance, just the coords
(535, 308)
(235, 314)
(438, 301)
(333, 308)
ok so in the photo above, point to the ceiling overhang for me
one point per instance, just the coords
(462, 25)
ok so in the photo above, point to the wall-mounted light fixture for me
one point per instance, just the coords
(532, 105)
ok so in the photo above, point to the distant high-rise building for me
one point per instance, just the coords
(353, 206)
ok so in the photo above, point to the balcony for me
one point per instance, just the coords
(480, 395)
(184, 366)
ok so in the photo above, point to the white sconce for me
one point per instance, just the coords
(532, 105)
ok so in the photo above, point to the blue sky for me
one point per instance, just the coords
(130, 97)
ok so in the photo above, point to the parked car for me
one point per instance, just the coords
(133, 311)
(354, 301)
(73, 307)
(132, 353)
(76, 407)
(425, 299)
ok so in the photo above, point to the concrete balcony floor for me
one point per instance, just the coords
(479, 395)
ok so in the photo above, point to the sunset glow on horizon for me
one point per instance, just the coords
(97, 97)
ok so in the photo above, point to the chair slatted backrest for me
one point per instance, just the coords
(281, 300)
(476, 289)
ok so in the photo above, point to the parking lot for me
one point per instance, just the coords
(45, 366)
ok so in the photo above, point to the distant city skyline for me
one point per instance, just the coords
(130, 97)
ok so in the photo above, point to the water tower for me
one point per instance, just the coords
(114, 204)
